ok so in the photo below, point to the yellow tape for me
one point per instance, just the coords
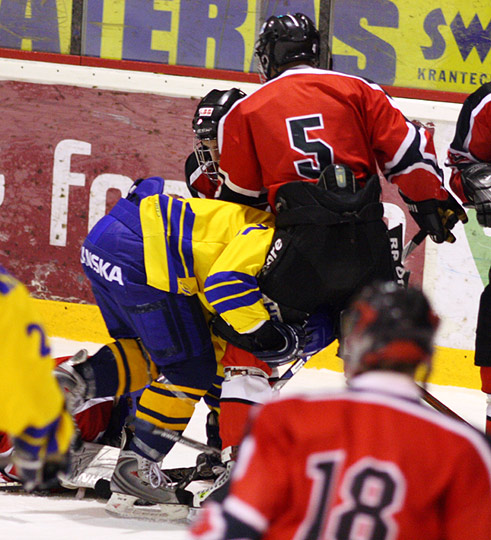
(83, 322)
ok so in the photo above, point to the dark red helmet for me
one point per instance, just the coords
(388, 327)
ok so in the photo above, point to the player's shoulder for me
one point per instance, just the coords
(483, 91)
(300, 403)
(479, 98)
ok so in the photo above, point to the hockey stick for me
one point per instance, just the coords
(413, 244)
(294, 368)
(177, 437)
(439, 406)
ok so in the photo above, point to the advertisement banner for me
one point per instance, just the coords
(217, 34)
(67, 154)
(442, 46)
(36, 25)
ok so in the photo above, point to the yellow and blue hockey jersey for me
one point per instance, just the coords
(210, 248)
(32, 405)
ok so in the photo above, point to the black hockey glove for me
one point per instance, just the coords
(476, 181)
(275, 343)
(436, 217)
(301, 341)
(292, 348)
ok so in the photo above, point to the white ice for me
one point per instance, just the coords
(60, 518)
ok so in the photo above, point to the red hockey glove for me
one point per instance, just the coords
(436, 217)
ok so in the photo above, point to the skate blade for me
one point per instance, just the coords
(194, 513)
(124, 506)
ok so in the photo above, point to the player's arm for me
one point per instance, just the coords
(406, 155)
(32, 407)
(471, 142)
(232, 290)
(469, 154)
(241, 178)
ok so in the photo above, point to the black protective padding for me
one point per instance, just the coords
(483, 332)
(326, 247)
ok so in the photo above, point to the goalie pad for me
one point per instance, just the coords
(90, 464)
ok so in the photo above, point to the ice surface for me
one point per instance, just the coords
(66, 518)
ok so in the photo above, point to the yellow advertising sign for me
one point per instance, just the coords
(439, 45)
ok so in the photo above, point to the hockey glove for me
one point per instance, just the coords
(319, 333)
(38, 474)
(275, 343)
(301, 341)
(476, 181)
(37, 456)
(293, 345)
(436, 217)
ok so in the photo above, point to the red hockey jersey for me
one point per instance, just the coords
(368, 463)
(295, 125)
(472, 140)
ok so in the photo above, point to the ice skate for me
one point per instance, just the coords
(141, 490)
(215, 492)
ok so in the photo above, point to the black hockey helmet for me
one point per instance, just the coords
(388, 327)
(284, 39)
(205, 126)
(211, 109)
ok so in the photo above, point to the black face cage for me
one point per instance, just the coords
(205, 161)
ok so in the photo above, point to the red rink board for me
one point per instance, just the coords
(135, 135)
(129, 134)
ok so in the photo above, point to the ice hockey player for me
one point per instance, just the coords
(371, 461)
(469, 156)
(306, 118)
(158, 265)
(201, 168)
(33, 410)
(202, 179)
(340, 233)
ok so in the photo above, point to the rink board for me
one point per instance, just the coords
(94, 130)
